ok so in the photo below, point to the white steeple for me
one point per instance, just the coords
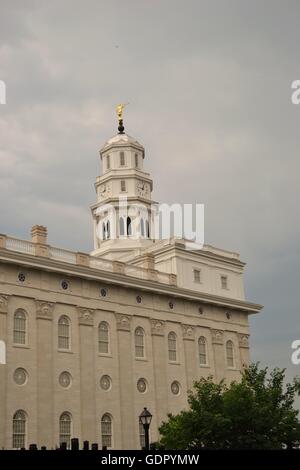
(122, 214)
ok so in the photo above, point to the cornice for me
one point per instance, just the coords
(183, 253)
(123, 145)
(85, 272)
(115, 200)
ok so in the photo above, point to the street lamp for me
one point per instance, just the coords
(145, 419)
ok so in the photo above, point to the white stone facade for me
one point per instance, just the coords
(92, 339)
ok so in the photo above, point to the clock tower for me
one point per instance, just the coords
(123, 214)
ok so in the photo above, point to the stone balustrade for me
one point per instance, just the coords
(84, 259)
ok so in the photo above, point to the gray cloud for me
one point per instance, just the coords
(209, 90)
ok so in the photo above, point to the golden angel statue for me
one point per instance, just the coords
(120, 109)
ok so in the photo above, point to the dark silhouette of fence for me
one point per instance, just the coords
(63, 446)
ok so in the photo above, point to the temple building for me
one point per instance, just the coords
(93, 338)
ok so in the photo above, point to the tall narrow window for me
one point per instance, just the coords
(122, 159)
(103, 338)
(172, 346)
(64, 332)
(123, 186)
(20, 325)
(122, 227)
(108, 162)
(202, 351)
(19, 429)
(136, 157)
(224, 282)
(142, 435)
(65, 428)
(147, 229)
(106, 230)
(106, 430)
(142, 227)
(139, 339)
(230, 354)
(128, 223)
(197, 276)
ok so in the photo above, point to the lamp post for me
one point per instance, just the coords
(145, 419)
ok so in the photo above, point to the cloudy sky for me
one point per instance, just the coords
(209, 86)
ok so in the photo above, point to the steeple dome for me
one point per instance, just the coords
(122, 214)
(120, 139)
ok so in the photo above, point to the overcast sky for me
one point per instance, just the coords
(209, 86)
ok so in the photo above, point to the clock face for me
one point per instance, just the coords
(142, 188)
(104, 190)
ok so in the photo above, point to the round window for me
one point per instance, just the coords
(20, 376)
(64, 285)
(21, 277)
(65, 379)
(105, 382)
(175, 388)
(142, 385)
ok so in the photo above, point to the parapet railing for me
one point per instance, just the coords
(84, 259)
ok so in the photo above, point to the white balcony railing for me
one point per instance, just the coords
(62, 255)
(22, 246)
(59, 254)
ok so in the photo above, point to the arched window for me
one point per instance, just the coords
(147, 229)
(122, 227)
(20, 327)
(122, 159)
(19, 429)
(103, 338)
(106, 430)
(108, 162)
(106, 230)
(128, 224)
(65, 428)
(230, 354)
(64, 332)
(142, 228)
(172, 346)
(139, 339)
(202, 351)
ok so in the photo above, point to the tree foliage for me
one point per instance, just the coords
(255, 413)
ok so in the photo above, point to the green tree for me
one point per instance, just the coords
(255, 413)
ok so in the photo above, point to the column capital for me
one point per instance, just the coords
(123, 322)
(86, 316)
(217, 336)
(3, 303)
(188, 332)
(243, 340)
(157, 327)
(44, 309)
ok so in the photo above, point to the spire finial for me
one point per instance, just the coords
(119, 110)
